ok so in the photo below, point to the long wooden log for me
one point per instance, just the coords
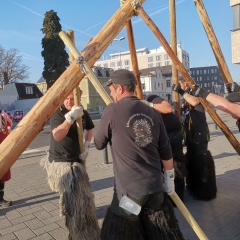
(29, 127)
(213, 41)
(188, 217)
(173, 36)
(77, 98)
(104, 95)
(134, 60)
(180, 67)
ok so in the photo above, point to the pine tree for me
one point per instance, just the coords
(54, 53)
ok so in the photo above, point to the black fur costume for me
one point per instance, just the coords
(148, 225)
(201, 177)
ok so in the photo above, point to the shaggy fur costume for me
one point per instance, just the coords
(162, 224)
(201, 177)
(118, 228)
(179, 163)
(76, 199)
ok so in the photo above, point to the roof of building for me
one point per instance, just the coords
(166, 71)
(21, 89)
(41, 80)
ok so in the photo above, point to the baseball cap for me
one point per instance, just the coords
(233, 97)
(121, 76)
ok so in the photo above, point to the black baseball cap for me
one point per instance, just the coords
(121, 76)
(233, 97)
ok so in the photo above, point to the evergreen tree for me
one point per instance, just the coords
(54, 54)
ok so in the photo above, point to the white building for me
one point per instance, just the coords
(146, 59)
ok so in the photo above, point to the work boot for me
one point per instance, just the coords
(5, 203)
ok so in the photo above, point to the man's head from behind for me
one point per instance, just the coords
(121, 83)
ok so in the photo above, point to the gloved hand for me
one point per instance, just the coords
(148, 103)
(87, 144)
(75, 113)
(83, 156)
(200, 92)
(234, 87)
(168, 182)
(178, 89)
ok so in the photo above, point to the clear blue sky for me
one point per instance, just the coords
(21, 21)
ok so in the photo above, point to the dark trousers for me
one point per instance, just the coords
(149, 203)
(1, 191)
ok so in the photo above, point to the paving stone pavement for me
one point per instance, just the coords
(35, 213)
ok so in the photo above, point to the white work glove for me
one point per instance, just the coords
(150, 104)
(83, 156)
(168, 182)
(75, 113)
(87, 144)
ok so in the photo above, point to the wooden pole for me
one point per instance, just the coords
(188, 217)
(180, 67)
(29, 127)
(173, 35)
(77, 98)
(213, 41)
(104, 95)
(134, 60)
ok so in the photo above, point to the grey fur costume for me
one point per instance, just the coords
(76, 202)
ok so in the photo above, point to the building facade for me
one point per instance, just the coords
(146, 59)
(235, 32)
(210, 78)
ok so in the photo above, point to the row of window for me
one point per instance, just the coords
(157, 85)
(204, 71)
(208, 78)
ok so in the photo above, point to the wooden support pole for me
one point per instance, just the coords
(29, 127)
(213, 41)
(173, 36)
(134, 60)
(180, 67)
(104, 95)
(77, 98)
(188, 217)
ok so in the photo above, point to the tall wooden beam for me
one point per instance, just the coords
(134, 60)
(188, 79)
(213, 41)
(173, 36)
(29, 127)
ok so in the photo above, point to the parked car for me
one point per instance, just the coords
(17, 115)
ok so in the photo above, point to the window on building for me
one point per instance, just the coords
(205, 71)
(215, 77)
(207, 78)
(105, 65)
(166, 57)
(200, 71)
(212, 70)
(150, 59)
(158, 58)
(127, 68)
(205, 84)
(127, 62)
(193, 72)
(200, 78)
(197, 72)
(158, 64)
(150, 65)
(197, 79)
(158, 84)
(236, 16)
(119, 63)
(29, 90)
(143, 86)
(98, 65)
(208, 84)
(155, 86)
(168, 83)
(167, 63)
(99, 73)
(107, 74)
(112, 64)
(215, 70)
(190, 72)
(162, 85)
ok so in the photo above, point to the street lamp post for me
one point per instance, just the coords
(119, 49)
